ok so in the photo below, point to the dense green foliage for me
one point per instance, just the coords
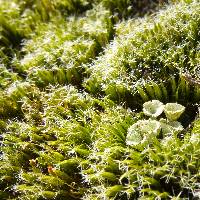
(74, 76)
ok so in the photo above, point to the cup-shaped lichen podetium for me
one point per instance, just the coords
(135, 135)
(177, 126)
(173, 111)
(170, 127)
(153, 108)
(142, 131)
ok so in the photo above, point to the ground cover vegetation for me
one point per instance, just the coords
(99, 99)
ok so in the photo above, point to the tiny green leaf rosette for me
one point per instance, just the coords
(153, 108)
(141, 131)
(173, 111)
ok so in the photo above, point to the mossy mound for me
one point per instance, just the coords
(74, 76)
(152, 51)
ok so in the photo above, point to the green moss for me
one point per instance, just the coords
(74, 75)
(150, 49)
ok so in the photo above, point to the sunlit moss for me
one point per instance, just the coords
(74, 75)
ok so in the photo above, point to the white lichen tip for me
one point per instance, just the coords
(153, 108)
(173, 111)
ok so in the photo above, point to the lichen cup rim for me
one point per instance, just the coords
(138, 129)
(147, 123)
(154, 105)
(170, 127)
(175, 112)
(133, 130)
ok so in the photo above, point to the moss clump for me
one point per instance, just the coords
(151, 50)
(74, 75)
